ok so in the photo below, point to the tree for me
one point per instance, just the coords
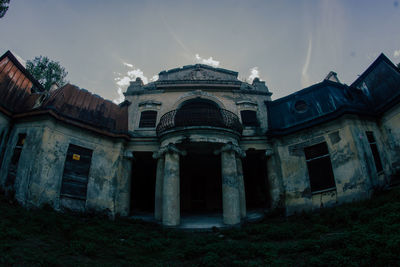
(47, 71)
(3, 7)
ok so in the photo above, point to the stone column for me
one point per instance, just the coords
(171, 194)
(230, 184)
(242, 192)
(159, 189)
(167, 185)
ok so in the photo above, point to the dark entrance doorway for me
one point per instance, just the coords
(256, 180)
(143, 182)
(201, 184)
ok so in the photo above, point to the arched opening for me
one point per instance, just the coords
(199, 112)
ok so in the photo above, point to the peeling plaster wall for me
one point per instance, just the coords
(351, 163)
(390, 128)
(41, 167)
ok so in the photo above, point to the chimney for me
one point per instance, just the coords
(332, 76)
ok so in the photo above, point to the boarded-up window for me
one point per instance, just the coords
(148, 119)
(76, 172)
(12, 169)
(249, 118)
(319, 167)
(374, 150)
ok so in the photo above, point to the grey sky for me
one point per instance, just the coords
(292, 43)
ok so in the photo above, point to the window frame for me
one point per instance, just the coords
(68, 177)
(12, 171)
(374, 151)
(314, 175)
(140, 126)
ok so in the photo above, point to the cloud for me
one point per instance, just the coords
(128, 65)
(210, 61)
(123, 80)
(305, 79)
(254, 73)
(154, 78)
(396, 53)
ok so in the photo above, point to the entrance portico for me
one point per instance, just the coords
(168, 184)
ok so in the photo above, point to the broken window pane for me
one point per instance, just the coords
(319, 167)
(12, 168)
(374, 150)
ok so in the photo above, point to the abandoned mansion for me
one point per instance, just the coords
(198, 141)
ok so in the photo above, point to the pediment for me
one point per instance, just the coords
(198, 72)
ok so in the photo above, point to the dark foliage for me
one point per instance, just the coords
(47, 71)
(358, 234)
(3, 7)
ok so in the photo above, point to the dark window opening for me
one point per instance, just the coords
(255, 177)
(374, 150)
(319, 167)
(76, 172)
(12, 169)
(201, 183)
(144, 169)
(1, 138)
(301, 106)
(249, 118)
(148, 119)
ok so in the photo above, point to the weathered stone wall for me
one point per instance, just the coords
(41, 167)
(390, 127)
(351, 159)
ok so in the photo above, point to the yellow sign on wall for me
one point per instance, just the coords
(76, 157)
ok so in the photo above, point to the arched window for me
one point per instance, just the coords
(148, 119)
(198, 112)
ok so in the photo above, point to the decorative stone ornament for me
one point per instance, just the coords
(231, 147)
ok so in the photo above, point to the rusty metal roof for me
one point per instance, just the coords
(17, 86)
(22, 95)
(79, 104)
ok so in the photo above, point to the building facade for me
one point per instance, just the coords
(199, 141)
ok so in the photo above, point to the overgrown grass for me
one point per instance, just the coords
(364, 233)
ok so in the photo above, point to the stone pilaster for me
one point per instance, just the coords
(242, 192)
(159, 189)
(275, 179)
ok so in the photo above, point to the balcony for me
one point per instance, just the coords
(199, 116)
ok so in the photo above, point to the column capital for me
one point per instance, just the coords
(170, 148)
(231, 147)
